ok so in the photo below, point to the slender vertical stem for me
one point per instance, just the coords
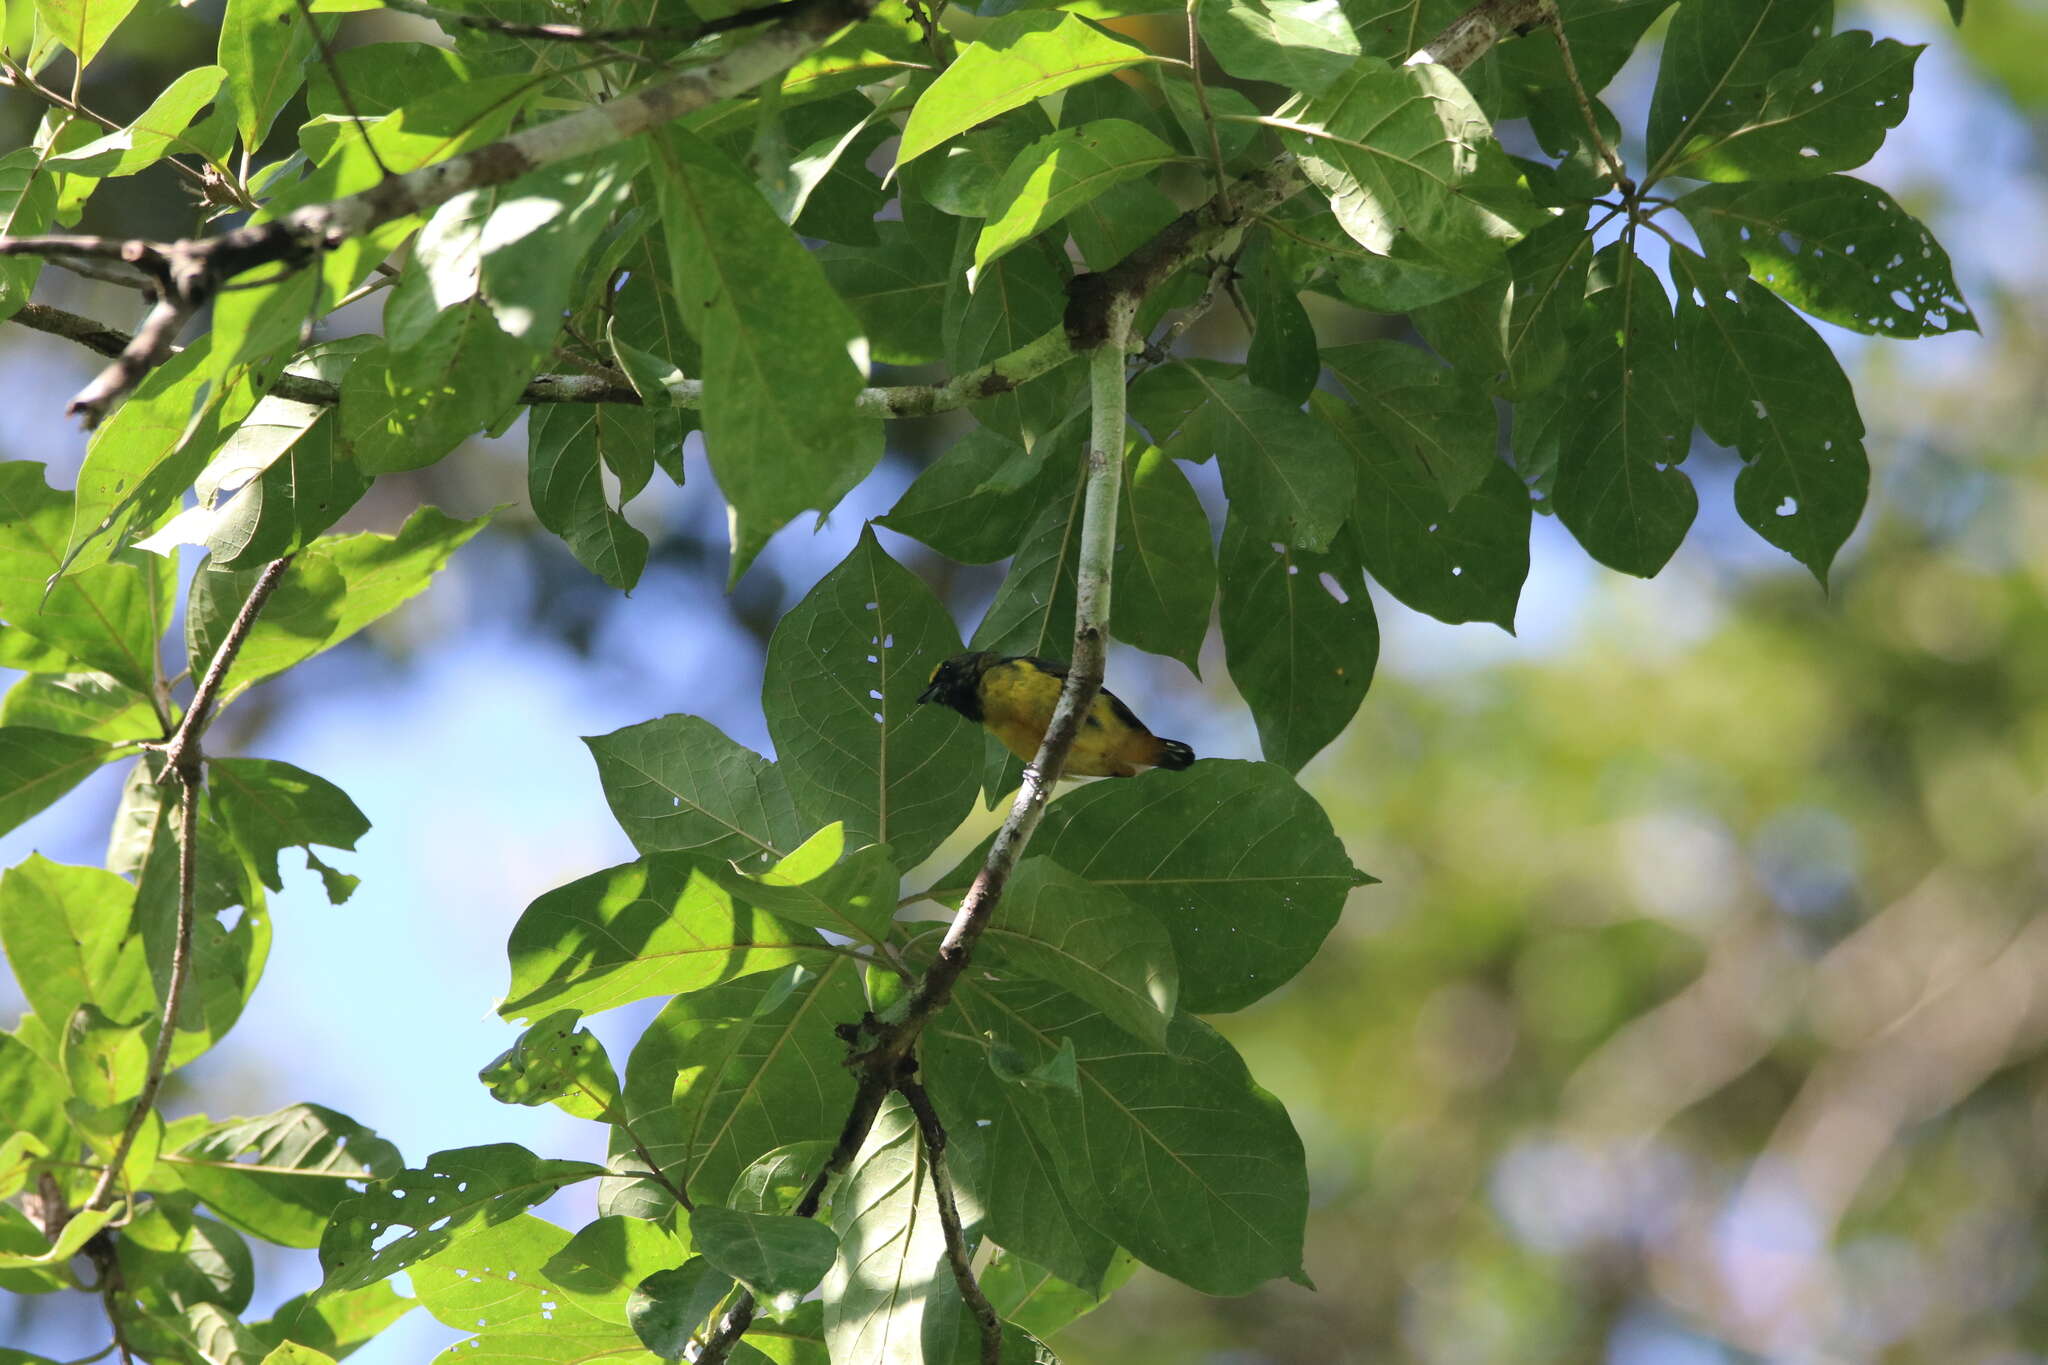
(933, 1134)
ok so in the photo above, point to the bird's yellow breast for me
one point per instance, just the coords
(1017, 701)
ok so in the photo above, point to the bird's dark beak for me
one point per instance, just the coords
(930, 693)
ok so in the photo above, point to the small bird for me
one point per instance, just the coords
(1013, 697)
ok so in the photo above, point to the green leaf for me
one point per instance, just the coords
(897, 289)
(1457, 564)
(533, 243)
(1619, 489)
(148, 139)
(1719, 58)
(1017, 58)
(1177, 1155)
(498, 1282)
(677, 784)
(890, 1276)
(76, 1233)
(845, 667)
(335, 587)
(763, 312)
(1237, 861)
(157, 442)
(38, 766)
(281, 1175)
(174, 1259)
(672, 1311)
(1091, 942)
(28, 201)
(1829, 113)
(1604, 35)
(32, 1090)
(1411, 169)
(776, 1182)
(1441, 419)
(660, 926)
(974, 502)
(1282, 469)
(104, 1060)
(726, 1074)
(1062, 171)
(778, 1258)
(1770, 387)
(335, 1324)
(566, 444)
(1301, 44)
(270, 806)
(855, 898)
(1165, 563)
(1033, 610)
(1038, 1300)
(1017, 299)
(264, 45)
(107, 618)
(598, 1267)
(83, 26)
(554, 1062)
(1282, 356)
(436, 1204)
(1837, 248)
(65, 931)
(963, 182)
(405, 408)
(1301, 641)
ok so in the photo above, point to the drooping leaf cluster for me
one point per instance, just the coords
(893, 225)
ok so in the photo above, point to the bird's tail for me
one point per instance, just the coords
(1174, 754)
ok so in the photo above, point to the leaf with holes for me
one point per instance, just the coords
(1829, 113)
(1300, 639)
(554, 1062)
(270, 806)
(1457, 564)
(1282, 468)
(1769, 386)
(456, 1192)
(845, 668)
(1619, 488)
(1718, 61)
(678, 785)
(1837, 248)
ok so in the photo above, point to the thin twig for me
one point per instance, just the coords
(1202, 102)
(958, 1257)
(21, 78)
(182, 765)
(348, 102)
(1616, 172)
(571, 33)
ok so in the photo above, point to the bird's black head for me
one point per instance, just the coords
(957, 683)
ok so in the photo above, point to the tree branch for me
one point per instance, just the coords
(182, 765)
(191, 271)
(571, 33)
(933, 1134)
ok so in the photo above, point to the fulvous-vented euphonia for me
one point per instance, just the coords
(1014, 695)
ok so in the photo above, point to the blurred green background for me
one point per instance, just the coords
(1698, 1017)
